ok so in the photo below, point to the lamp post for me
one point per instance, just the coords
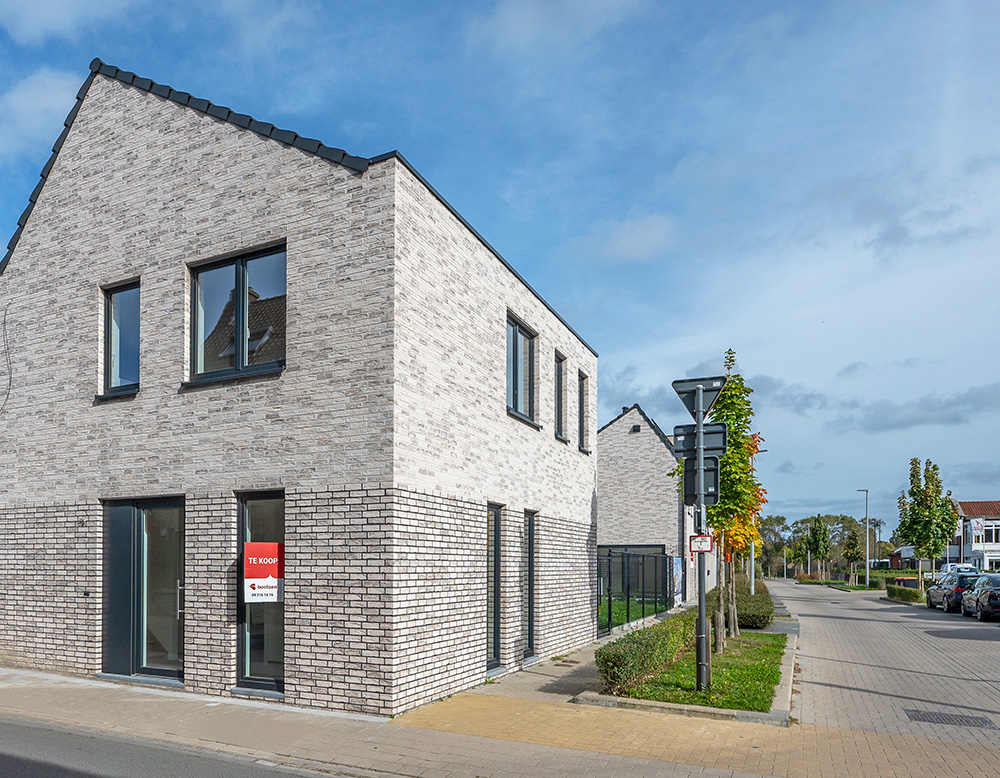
(867, 563)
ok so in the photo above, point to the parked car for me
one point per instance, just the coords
(983, 599)
(948, 591)
(959, 567)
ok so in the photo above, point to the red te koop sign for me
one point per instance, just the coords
(263, 572)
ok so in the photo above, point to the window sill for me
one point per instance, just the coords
(118, 393)
(561, 439)
(143, 680)
(268, 694)
(522, 418)
(229, 376)
(584, 450)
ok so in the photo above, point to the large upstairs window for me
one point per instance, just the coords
(239, 316)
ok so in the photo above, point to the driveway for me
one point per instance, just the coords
(865, 662)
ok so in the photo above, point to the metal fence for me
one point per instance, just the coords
(632, 586)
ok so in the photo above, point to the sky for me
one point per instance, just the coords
(813, 185)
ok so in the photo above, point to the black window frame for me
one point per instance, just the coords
(240, 366)
(122, 390)
(494, 513)
(244, 681)
(581, 380)
(514, 361)
(560, 397)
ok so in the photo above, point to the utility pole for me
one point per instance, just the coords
(868, 564)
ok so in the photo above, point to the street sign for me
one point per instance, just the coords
(711, 480)
(701, 544)
(715, 438)
(711, 389)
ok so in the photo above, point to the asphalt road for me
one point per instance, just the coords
(30, 750)
(863, 663)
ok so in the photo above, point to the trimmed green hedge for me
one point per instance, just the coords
(753, 611)
(904, 593)
(639, 655)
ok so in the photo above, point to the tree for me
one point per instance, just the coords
(773, 531)
(736, 516)
(819, 541)
(853, 552)
(927, 519)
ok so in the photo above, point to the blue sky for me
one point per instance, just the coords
(816, 186)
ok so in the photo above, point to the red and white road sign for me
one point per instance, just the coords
(263, 572)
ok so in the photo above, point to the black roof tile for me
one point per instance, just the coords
(160, 90)
(284, 136)
(198, 104)
(218, 111)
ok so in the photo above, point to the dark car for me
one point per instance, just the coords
(948, 590)
(983, 599)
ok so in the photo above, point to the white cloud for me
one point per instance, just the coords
(640, 239)
(31, 113)
(32, 22)
(547, 27)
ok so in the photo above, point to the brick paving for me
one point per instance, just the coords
(862, 662)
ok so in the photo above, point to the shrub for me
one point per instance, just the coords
(806, 577)
(753, 611)
(904, 593)
(632, 658)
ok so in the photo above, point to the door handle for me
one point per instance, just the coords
(180, 589)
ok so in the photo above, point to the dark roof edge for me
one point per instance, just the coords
(243, 121)
(655, 427)
(474, 231)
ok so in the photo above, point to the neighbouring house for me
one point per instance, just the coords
(639, 506)
(280, 422)
(979, 522)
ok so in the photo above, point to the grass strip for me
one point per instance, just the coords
(743, 678)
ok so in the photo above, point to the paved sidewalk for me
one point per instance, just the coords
(520, 726)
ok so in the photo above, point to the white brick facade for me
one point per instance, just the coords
(387, 430)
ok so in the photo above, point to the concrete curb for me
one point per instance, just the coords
(778, 716)
(900, 602)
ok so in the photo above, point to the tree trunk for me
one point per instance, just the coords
(734, 626)
(719, 631)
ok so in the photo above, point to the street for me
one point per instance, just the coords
(864, 662)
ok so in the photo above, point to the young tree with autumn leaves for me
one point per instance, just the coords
(735, 519)
(927, 518)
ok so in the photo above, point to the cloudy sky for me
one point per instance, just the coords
(814, 185)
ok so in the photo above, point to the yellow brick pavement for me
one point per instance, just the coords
(799, 751)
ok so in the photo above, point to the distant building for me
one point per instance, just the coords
(979, 521)
(639, 506)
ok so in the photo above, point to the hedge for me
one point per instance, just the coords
(639, 655)
(904, 593)
(753, 611)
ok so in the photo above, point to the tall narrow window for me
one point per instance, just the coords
(492, 587)
(528, 584)
(121, 339)
(520, 370)
(262, 624)
(239, 316)
(582, 411)
(560, 388)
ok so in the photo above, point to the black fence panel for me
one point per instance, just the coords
(632, 586)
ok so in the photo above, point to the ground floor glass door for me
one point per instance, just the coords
(144, 588)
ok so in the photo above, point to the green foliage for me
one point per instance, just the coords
(853, 552)
(927, 519)
(904, 593)
(773, 531)
(818, 539)
(740, 493)
(754, 611)
(632, 658)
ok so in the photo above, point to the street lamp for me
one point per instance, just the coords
(867, 563)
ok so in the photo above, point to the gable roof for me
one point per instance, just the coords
(265, 130)
(984, 508)
(626, 410)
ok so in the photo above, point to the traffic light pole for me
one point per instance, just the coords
(704, 678)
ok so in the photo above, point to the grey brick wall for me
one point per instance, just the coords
(50, 614)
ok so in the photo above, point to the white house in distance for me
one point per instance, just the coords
(222, 333)
(980, 531)
(639, 506)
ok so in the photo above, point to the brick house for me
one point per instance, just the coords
(217, 332)
(639, 506)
